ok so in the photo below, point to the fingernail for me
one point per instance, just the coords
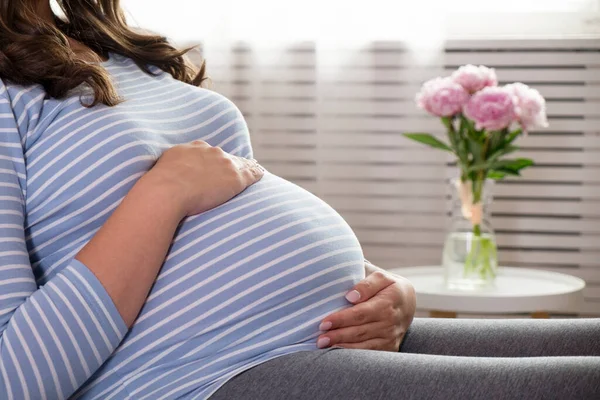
(353, 296)
(323, 342)
(325, 326)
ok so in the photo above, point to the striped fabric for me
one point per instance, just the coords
(243, 283)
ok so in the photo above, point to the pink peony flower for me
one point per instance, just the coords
(492, 108)
(442, 97)
(473, 78)
(530, 106)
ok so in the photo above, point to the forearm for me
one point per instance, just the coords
(129, 249)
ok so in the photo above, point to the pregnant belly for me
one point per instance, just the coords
(253, 275)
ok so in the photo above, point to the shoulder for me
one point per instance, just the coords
(21, 95)
(7, 115)
(213, 95)
(21, 105)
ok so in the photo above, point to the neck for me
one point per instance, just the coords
(45, 11)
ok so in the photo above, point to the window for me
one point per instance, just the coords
(347, 21)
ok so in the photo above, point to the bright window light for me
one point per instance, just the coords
(273, 20)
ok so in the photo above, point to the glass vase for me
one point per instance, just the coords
(470, 257)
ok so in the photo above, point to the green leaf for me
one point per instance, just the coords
(461, 146)
(429, 140)
(513, 135)
(471, 132)
(475, 150)
(496, 175)
(497, 140)
(492, 162)
(502, 151)
(463, 126)
(447, 121)
(452, 138)
(512, 164)
(505, 171)
(477, 167)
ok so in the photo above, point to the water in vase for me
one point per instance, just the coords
(470, 261)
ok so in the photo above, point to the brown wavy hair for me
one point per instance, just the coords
(35, 51)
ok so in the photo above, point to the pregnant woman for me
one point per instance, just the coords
(145, 255)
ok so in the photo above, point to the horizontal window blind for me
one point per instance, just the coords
(330, 119)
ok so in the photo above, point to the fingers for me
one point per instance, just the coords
(251, 170)
(355, 334)
(369, 287)
(359, 314)
(248, 162)
(252, 164)
(200, 143)
(242, 162)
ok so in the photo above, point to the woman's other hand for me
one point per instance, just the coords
(384, 307)
(201, 177)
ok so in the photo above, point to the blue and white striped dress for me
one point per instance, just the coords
(243, 283)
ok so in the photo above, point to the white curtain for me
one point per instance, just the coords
(273, 21)
(327, 88)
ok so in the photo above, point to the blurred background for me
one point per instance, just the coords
(328, 87)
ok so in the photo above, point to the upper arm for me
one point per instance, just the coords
(54, 337)
(17, 282)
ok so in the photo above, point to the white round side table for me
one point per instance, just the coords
(516, 290)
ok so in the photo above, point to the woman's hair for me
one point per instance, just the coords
(34, 51)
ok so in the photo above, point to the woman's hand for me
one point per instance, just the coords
(130, 247)
(202, 177)
(384, 309)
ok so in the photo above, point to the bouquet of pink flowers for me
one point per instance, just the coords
(482, 120)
